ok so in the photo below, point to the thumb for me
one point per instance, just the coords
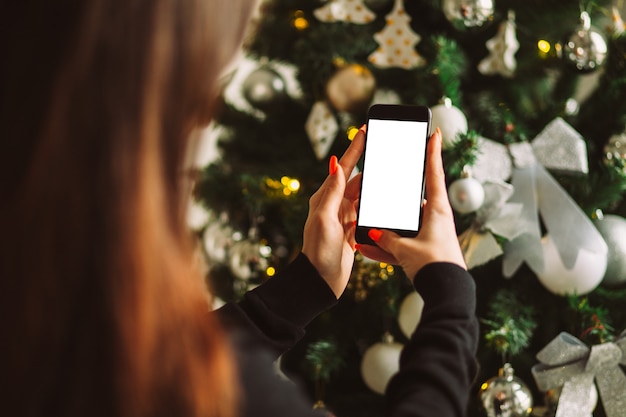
(386, 240)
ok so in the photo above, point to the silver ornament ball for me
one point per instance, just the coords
(264, 88)
(468, 14)
(466, 195)
(585, 49)
(613, 230)
(506, 395)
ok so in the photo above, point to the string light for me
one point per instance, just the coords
(285, 187)
(299, 21)
(270, 271)
(544, 46)
(352, 131)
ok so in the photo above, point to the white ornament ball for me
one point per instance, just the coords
(613, 230)
(380, 362)
(583, 278)
(466, 195)
(451, 121)
(410, 313)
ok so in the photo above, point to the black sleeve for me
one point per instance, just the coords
(275, 313)
(438, 365)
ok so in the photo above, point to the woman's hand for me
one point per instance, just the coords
(329, 230)
(437, 240)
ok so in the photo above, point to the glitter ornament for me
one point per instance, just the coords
(468, 14)
(466, 195)
(585, 49)
(450, 120)
(264, 88)
(502, 49)
(351, 88)
(616, 147)
(350, 11)
(410, 313)
(582, 278)
(397, 41)
(506, 395)
(380, 362)
(248, 257)
(321, 127)
(613, 230)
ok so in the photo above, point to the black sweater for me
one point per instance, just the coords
(437, 365)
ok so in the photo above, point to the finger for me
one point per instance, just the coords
(377, 254)
(353, 188)
(352, 155)
(435, 175)
(386, 240)
(330, 194)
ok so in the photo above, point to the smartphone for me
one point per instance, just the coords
(394, 161)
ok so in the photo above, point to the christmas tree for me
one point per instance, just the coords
(530, 98)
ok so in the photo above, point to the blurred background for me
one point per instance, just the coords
(531, 99)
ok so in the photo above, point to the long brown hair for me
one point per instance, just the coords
(101, 309)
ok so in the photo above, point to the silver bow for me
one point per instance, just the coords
(568, 363)
(558, 147)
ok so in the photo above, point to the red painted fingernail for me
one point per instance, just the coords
(375, 234)
(354, 223)
(332, 165)
(357, 246)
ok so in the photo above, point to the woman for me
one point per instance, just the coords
(101, 309)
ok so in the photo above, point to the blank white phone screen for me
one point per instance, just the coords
(393, 167)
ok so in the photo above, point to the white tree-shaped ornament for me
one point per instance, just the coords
(502, 49)
(397, 42)
(352, 11)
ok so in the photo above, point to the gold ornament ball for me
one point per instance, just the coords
(351, 88)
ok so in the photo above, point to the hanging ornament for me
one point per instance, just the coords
(502, 49)
(613, 230)
(321, 127)
(615, 149)
(567, 364)
(495, 217)
(410, 313)
(275, 82)
(217, 239)
(567, 225)
(377, 5)
(450, 120)
(380, 362)
(585, 49)
(351, 88)
(466, 195)
(468, 14)
(397, 41)
(249, 257)
(351, 11)
(506, 395)
(583, 277)
(264, 88)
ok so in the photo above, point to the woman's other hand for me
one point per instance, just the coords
(329, 229)
(437, 239)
